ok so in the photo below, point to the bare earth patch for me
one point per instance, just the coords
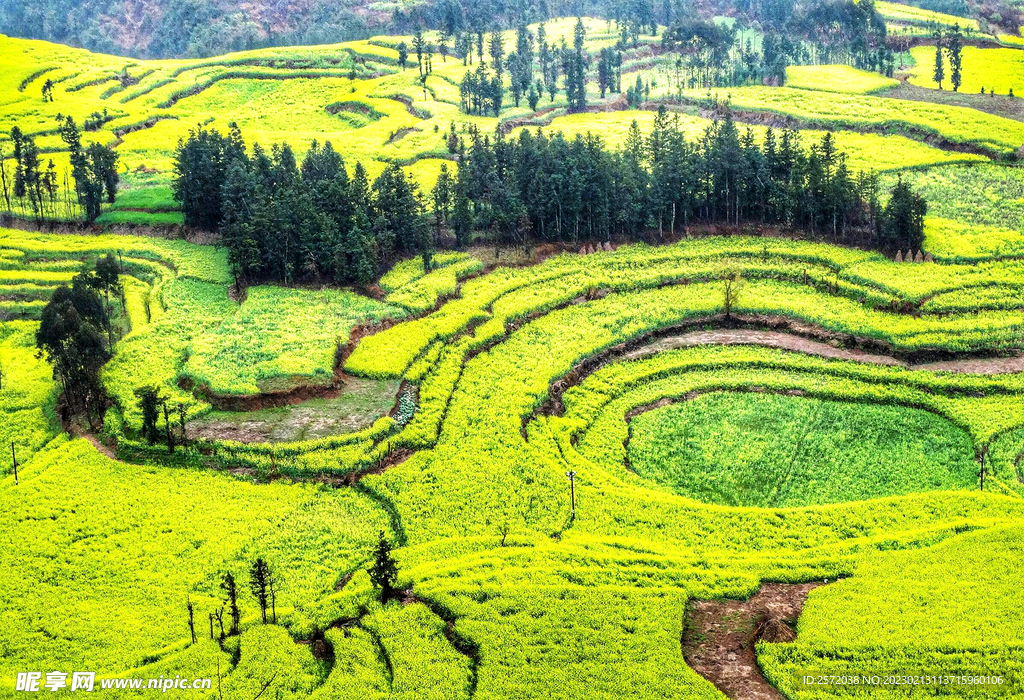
(354, 406)
(719, 637)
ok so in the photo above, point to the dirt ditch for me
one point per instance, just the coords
(400, 134)
(255, 402)
(720, 637)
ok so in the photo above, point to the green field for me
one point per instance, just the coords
(819, 109)
(257, 346)
(910, 14)
(738, 450)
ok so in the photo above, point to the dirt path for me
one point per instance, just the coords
(100, 447)
(719, 637)
(795, 343)
(993, 365)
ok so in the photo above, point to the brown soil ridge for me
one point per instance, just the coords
(720, 637)
(772, 331)
(796, 343)
(271, 399)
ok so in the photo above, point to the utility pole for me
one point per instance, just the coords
(191, 622)
(14, 460)
(572, 491)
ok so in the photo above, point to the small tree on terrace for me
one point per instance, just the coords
(191, 618)
(230, 588)
(954, 47)
(69, 335)
(259, 584)
(273, 594)
(149, 405)
(732, 283)
(384, 572)
(939, 73)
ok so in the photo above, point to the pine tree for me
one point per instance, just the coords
(419, 46)
(230, 589)
(384, 571)
(441, 196)
(575, 83)
(442, 44)
(954, 47)
(259, 584)
(939, 74)
(579, 35)
(362, 258)
(903, 219)
(89, 184)
(604, 70)
(496, 48)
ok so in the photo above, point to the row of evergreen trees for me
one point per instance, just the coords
(950, 43)
(707, 54)
(285, 221)
(560, 190)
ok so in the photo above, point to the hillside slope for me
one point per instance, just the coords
(163, 28)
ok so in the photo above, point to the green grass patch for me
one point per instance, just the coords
(779, 451)
(279, 333)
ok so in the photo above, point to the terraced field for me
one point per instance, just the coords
(574, 449)
(355, 96)
(525, 374)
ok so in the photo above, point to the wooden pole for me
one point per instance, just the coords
(572, 492)
(572, 495)
(14, 460)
